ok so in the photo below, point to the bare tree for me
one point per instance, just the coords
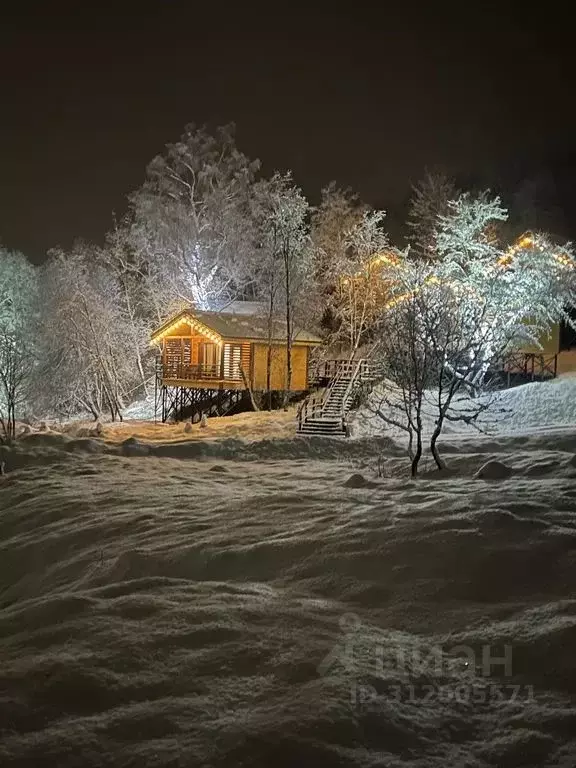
(86, 344)
(18, 290)
(407, 363)
(430, 201)
(17, 362)
(285, 272)
(360, 279)
(190, 219)
(453, 329)
(429, 350)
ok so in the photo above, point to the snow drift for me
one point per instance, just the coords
(527, 407)
(191, 607)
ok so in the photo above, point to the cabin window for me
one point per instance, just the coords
(232, 358)
(177, 353)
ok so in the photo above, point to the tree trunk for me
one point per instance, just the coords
(418, 454)
(269, 375)
(141, 371)
(434, 447)
(288, 330)
(269, 350)
(248, 389)
(288, 365)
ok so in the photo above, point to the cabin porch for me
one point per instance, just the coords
(198, 362)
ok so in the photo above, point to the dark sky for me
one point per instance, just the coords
(369, 96)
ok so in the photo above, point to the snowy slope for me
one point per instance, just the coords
(528, 407)
(214, 602)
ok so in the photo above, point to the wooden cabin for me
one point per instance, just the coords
(227, 351)
(554, 355)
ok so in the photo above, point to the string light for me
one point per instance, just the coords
(193, 322)
(527, 241)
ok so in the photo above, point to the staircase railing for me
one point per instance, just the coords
(351, 386)
(308, 409)
(313, 406)
(355, 372)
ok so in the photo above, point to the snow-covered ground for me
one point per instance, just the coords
(528, 407)
(238, 596)
(269, 424)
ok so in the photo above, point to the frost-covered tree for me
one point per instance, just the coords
(340, 210)
(478, 301)
(285, 271)
(87, 354)
(514, 293)
(191, 222)
(430, 201)
(137, 306)
(359, 276)
(18, 291)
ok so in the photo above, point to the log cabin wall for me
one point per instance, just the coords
(186, 354)
(278, 367)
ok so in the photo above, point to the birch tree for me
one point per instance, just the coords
(136, 297)
(287, 272)
(87, 355)
(191, 221)
(267, 269)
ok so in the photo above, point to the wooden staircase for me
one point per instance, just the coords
(325, 414)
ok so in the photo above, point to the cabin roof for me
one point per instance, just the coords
(233, 325)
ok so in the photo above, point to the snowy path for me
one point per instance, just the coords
(174, 609)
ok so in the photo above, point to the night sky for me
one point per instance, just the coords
(367, 97)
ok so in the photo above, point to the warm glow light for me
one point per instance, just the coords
(383, 258)
(194, 323)
(527, 241)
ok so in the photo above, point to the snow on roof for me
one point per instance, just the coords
(236, 325)
(242, 308)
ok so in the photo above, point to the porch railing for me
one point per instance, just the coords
(328, 370)
(520, 367)
(181, 371)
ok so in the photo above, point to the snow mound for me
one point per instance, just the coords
(48, 448)
(494, 470)
(541, 404)
(358, 481)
